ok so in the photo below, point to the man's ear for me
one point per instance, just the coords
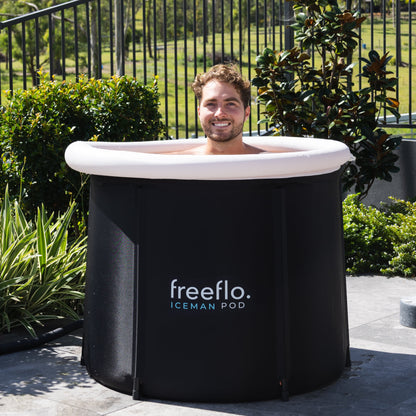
(247, 112)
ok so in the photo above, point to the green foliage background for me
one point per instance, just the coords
(37, 125)
(380, 240)
(42, 270)
(307, 91)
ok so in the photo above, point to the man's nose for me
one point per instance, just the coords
(219, 111)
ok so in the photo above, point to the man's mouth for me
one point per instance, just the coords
(220, 123)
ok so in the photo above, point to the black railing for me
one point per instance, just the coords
(34, 51)
(176, 39)
(392, 28)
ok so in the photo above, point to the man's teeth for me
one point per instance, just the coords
(220, 124)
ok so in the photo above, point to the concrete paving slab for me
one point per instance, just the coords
(386, 330)
(50, 381)
(373, 297)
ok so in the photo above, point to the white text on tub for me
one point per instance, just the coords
(221, 296)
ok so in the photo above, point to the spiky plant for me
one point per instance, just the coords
(41, 270)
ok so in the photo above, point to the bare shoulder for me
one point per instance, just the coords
(249, 149)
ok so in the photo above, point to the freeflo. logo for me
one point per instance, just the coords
(221, 296)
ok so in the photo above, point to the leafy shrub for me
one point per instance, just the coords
(380, 240)
(308, 91)
(38, 124)
(368, 243)
(41, 270)
(403, 261)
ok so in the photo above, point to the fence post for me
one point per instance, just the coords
(119, 35)
(288, 19)
(95, 42)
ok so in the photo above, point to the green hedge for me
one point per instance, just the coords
(37, 125)
(380, 240)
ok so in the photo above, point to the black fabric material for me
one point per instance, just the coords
(215, 290)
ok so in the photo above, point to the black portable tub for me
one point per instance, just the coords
(225, 287)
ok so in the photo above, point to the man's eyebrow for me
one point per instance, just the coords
(230, 99)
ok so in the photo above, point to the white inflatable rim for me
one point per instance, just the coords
(284, 157)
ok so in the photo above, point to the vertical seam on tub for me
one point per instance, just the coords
(136, 392)
(282, 295)
(344, 286)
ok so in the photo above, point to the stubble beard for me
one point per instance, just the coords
(222, 137)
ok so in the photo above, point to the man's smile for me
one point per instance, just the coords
(221, 123)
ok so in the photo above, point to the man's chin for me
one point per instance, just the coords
(220, 139)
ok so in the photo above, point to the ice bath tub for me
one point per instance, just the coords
(214, 278)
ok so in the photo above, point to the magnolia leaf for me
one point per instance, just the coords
(393, 102)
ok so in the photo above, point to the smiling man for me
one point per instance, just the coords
(224, 106)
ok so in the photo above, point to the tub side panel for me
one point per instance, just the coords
(109, 307)
(316, 274)
(208, 323)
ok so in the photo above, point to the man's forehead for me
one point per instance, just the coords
(215, 90)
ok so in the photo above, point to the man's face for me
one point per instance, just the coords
(221, 112)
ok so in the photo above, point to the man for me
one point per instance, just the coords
(224, 105)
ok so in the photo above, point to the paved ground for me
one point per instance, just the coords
(50, 381)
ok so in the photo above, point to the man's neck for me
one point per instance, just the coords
(231, 147)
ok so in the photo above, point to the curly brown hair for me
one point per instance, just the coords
(224, 73)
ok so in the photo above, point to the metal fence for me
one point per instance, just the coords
(176, 39)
